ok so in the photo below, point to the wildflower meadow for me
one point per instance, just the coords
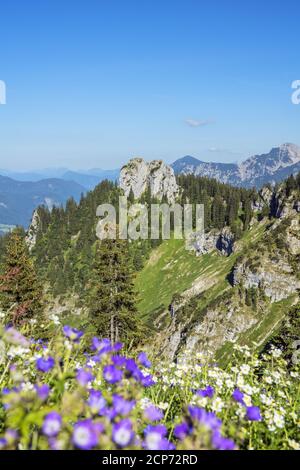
(74, 392)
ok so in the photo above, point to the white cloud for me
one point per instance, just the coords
(223, 150)
(198, 122)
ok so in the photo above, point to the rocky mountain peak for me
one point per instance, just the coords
(257, 170)
(138, 175)
(289, 153)
(270, 164)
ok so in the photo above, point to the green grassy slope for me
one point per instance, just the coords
(172, 269)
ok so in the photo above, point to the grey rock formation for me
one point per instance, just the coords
(209, 335)
(138, 175)
(266, 195)
(272, 272)
(285, 207)
(276, 284)
(31, 234)
(203, 243)
(297, 206)
(225, 242)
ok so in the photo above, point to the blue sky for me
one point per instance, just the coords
(92, 83)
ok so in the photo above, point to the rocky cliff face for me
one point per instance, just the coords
(211, 334)
(273, 269)
(138, 175)
(31, 234)
(275, 280)
(284, 207)
(203, 243)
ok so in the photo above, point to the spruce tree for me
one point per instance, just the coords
(131, 196)
(20, 291)
(218, 212)
(248, 213)
(112, 302)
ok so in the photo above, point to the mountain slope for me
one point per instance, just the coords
(19, 199)
(220, 301)
(256, 171)
(172, 269)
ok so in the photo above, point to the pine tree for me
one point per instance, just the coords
(20, 291)
(204, 199)
(112, 303)
(131, 196)
(248, 213)
(232, 209)
(218, 212)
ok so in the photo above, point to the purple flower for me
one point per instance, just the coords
(56, 444)
(11, 435)
(13, 336)
(117, 347)
(98, 427)
(181, 431)
(112, 375)
(155, 438)
(121, 406)
(166, 445)
(253, 413)
(96, 401)
(109, 412)
(102, 346)
(208, 419)
(3, 443)
(196, 413)
(206, 392)
(147, 380)
(42, 391)
(85, 435)
(84, 377)
(45, 364)
(72, 333)
(152, 413)
(52, 424)
(122, 433)
(118, 360)
(238, 396)
(212, 421)
(131, 366)
(222, 443)
(143, 359)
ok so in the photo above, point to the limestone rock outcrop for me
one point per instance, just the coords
(31, 234)
(137, 175)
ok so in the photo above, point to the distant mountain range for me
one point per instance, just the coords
(256, 171)
(86, 178)
(18, 199)
(21, 193)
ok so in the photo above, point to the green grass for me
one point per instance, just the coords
(173, 269)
